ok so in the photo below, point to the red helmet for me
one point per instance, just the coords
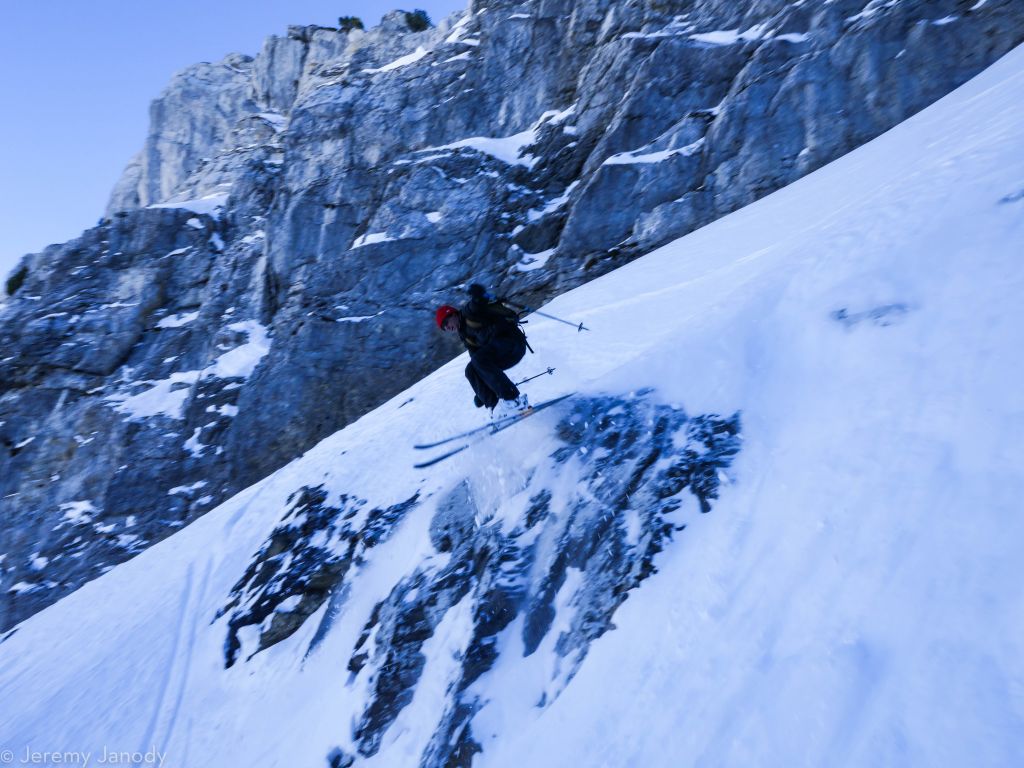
(443, 313)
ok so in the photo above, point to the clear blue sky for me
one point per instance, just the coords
(76, 79)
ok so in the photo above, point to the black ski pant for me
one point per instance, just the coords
(486, 369)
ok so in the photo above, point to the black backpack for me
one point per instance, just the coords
(494, 311)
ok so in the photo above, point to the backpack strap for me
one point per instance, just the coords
(519, 326)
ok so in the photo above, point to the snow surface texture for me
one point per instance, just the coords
(855, 597)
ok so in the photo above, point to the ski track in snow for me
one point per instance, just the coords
(168, 702)
(854, 599)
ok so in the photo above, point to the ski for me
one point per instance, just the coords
(467, 433)
(494, 426)
(442, 457)
(485, 430)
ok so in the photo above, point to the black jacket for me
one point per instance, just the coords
(484, 320)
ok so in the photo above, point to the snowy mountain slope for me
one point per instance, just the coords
(853, 598)
(537, 144)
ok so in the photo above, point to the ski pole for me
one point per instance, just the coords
(548, 372)
(578, 326)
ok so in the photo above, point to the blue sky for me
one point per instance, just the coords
(76, 79)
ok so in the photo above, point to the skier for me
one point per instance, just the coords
(491, 333)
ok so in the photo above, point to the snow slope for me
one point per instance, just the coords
(854, 597)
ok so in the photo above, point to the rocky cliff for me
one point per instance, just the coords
(269, 260)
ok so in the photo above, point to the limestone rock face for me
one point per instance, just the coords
(271, 259)
(189, 123)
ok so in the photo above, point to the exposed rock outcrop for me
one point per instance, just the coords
(555, 578)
